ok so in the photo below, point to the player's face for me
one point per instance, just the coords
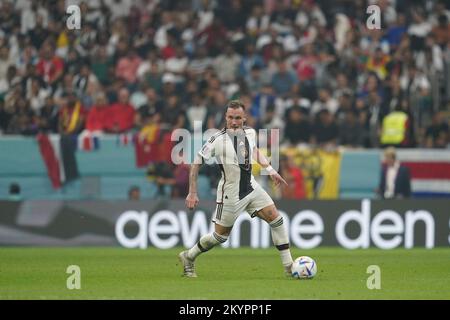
(390, 161)
(235, 118)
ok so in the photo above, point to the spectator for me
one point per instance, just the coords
(396, 31)
(139, 98)
(101, 65)
(214, 36)
(26, 57)
(153, 78)
(341, 86)
(39, 33)
(31, 13)
(234, 15)
(284, 81)
(36, 95)
(134, 193)
(178, 64)
(169, 85)
(173, 116)
(395, 95)
(377, 63)
(146, 65)
(14, 192)
(127, 67)
(346, 104)
(24, 119)
(118, 8)
(298, 128)
(262, 99)
(73, 62)
(226, 64)
(351, 132)
(395, 181)
(48, 116)
(417, 88)
(306, 65)
(395, 129)
(97, 118)
(294, 177)
(5, 117)
(325, 131)
(50, 67)
(249, 59)
(199, 62)
(85, 82)
(441, 32)
(152, 105)
(5, 62)
(216, 116)
(121, 114)
(72, 115)
(256, 79)
(437, 134)
(325, 102)
(181, 186)
(418, 30)
(257, 22)
(164, 178)
(197, 112)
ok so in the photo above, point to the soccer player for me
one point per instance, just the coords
(234, 147)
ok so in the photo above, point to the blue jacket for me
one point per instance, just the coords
(402, 182)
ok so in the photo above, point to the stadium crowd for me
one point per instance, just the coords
(309, 67)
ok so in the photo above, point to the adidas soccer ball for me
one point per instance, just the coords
(304, 268)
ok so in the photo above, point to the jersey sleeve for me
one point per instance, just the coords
(254, 140)
(208, 150)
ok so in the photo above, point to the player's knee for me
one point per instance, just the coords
(269, 214)
(223, 231)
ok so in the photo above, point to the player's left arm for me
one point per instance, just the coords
(265, 163)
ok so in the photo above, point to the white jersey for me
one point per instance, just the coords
(233, 154)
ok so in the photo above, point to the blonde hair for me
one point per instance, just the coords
(390, 152)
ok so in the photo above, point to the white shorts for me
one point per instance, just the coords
(227, 213)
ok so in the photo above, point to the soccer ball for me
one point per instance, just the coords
(304, 268)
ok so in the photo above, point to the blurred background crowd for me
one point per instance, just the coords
(311, 68)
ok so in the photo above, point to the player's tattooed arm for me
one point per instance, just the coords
(260, 158)
(192, 198)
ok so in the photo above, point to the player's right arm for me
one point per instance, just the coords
(206, 153)
(264, 162)
(192, 197)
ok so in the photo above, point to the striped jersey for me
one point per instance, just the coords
(233, 153)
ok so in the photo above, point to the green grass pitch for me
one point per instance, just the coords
(245, 273)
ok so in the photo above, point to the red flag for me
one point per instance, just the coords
(165, 148)
(50, 160)
(145, 151)
(87, 145)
